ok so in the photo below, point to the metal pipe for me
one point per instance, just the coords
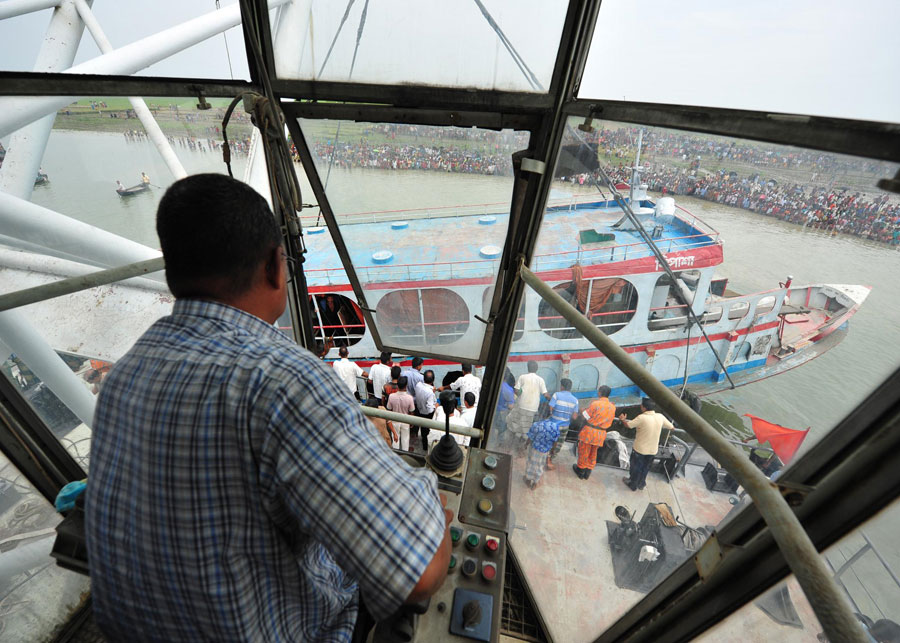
(459, 429)
(26, 146)
(13, 8)
(65, 237)
(17, 182)
(812, 573)
(154, 132)
(18, 111)
(77, 284)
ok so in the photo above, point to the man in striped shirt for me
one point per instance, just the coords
(236, 491)
(563, 408)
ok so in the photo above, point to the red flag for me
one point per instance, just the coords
(784, 441)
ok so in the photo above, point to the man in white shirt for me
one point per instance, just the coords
(468, 413)
(648, 425)
(468, 383)
(530, 387)
(380, 374)
(455, 418)
(348, 371)
(425, 403)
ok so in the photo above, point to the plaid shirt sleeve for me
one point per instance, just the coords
(338, 482)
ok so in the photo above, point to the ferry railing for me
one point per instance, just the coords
(488, 267)
(816, 580)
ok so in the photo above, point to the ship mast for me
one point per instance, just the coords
(636, 168)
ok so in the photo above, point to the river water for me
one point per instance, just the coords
(759, 252)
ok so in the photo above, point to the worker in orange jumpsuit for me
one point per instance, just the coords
(599, 415)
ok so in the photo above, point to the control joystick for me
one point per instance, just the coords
(446, 454)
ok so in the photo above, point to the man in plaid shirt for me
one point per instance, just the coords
(236, 491)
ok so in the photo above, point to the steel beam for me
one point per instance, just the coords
(869, 139)
(26, 146)
(77, 284)
(416, 96)
(387, 114)
(154, 132)
(28, 83)
(18, 111)
(65, 237)
(826, 598)
(13, 8)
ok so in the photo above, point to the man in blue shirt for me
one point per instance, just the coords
(563, 407)
(236, 491)
(413, 375)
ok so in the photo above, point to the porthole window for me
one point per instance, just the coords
(419, 317)
(336, 319)
(609, 303)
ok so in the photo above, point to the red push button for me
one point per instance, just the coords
(489, 572)
(491, 544)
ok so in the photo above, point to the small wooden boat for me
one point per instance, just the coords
(134, 189)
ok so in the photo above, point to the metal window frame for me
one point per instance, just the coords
(366, 113)
(861, 445)
(29, 444)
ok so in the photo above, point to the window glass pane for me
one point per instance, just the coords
(201, 51)
(733, 220)
(423, 212)
(92, 202)
(489, 44)
(36, 596)
(865, 564)
(757, 56)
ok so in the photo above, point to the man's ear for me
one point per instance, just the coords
(274, 268)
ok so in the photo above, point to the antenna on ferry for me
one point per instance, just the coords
(636, 168)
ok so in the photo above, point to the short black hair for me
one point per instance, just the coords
(402, 382)
(469, 398)
(343, 351)
(385, 357)
(395, 372)
(429, 377)
(604, 391)
(417, 362)
(532, 366)
(648, 404)
(213, 227)
(565, 384)
(466, 368)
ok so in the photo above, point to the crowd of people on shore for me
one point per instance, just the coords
(835, 210)
(196, 143)
(413, 157)
(622, 143)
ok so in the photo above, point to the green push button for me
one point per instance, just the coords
(455, 534)
(452, 566)
(472, 541)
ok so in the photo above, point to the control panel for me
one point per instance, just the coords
(469, 604)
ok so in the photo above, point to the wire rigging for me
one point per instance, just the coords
(227, 52)
(520, 62)
(359, 35)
